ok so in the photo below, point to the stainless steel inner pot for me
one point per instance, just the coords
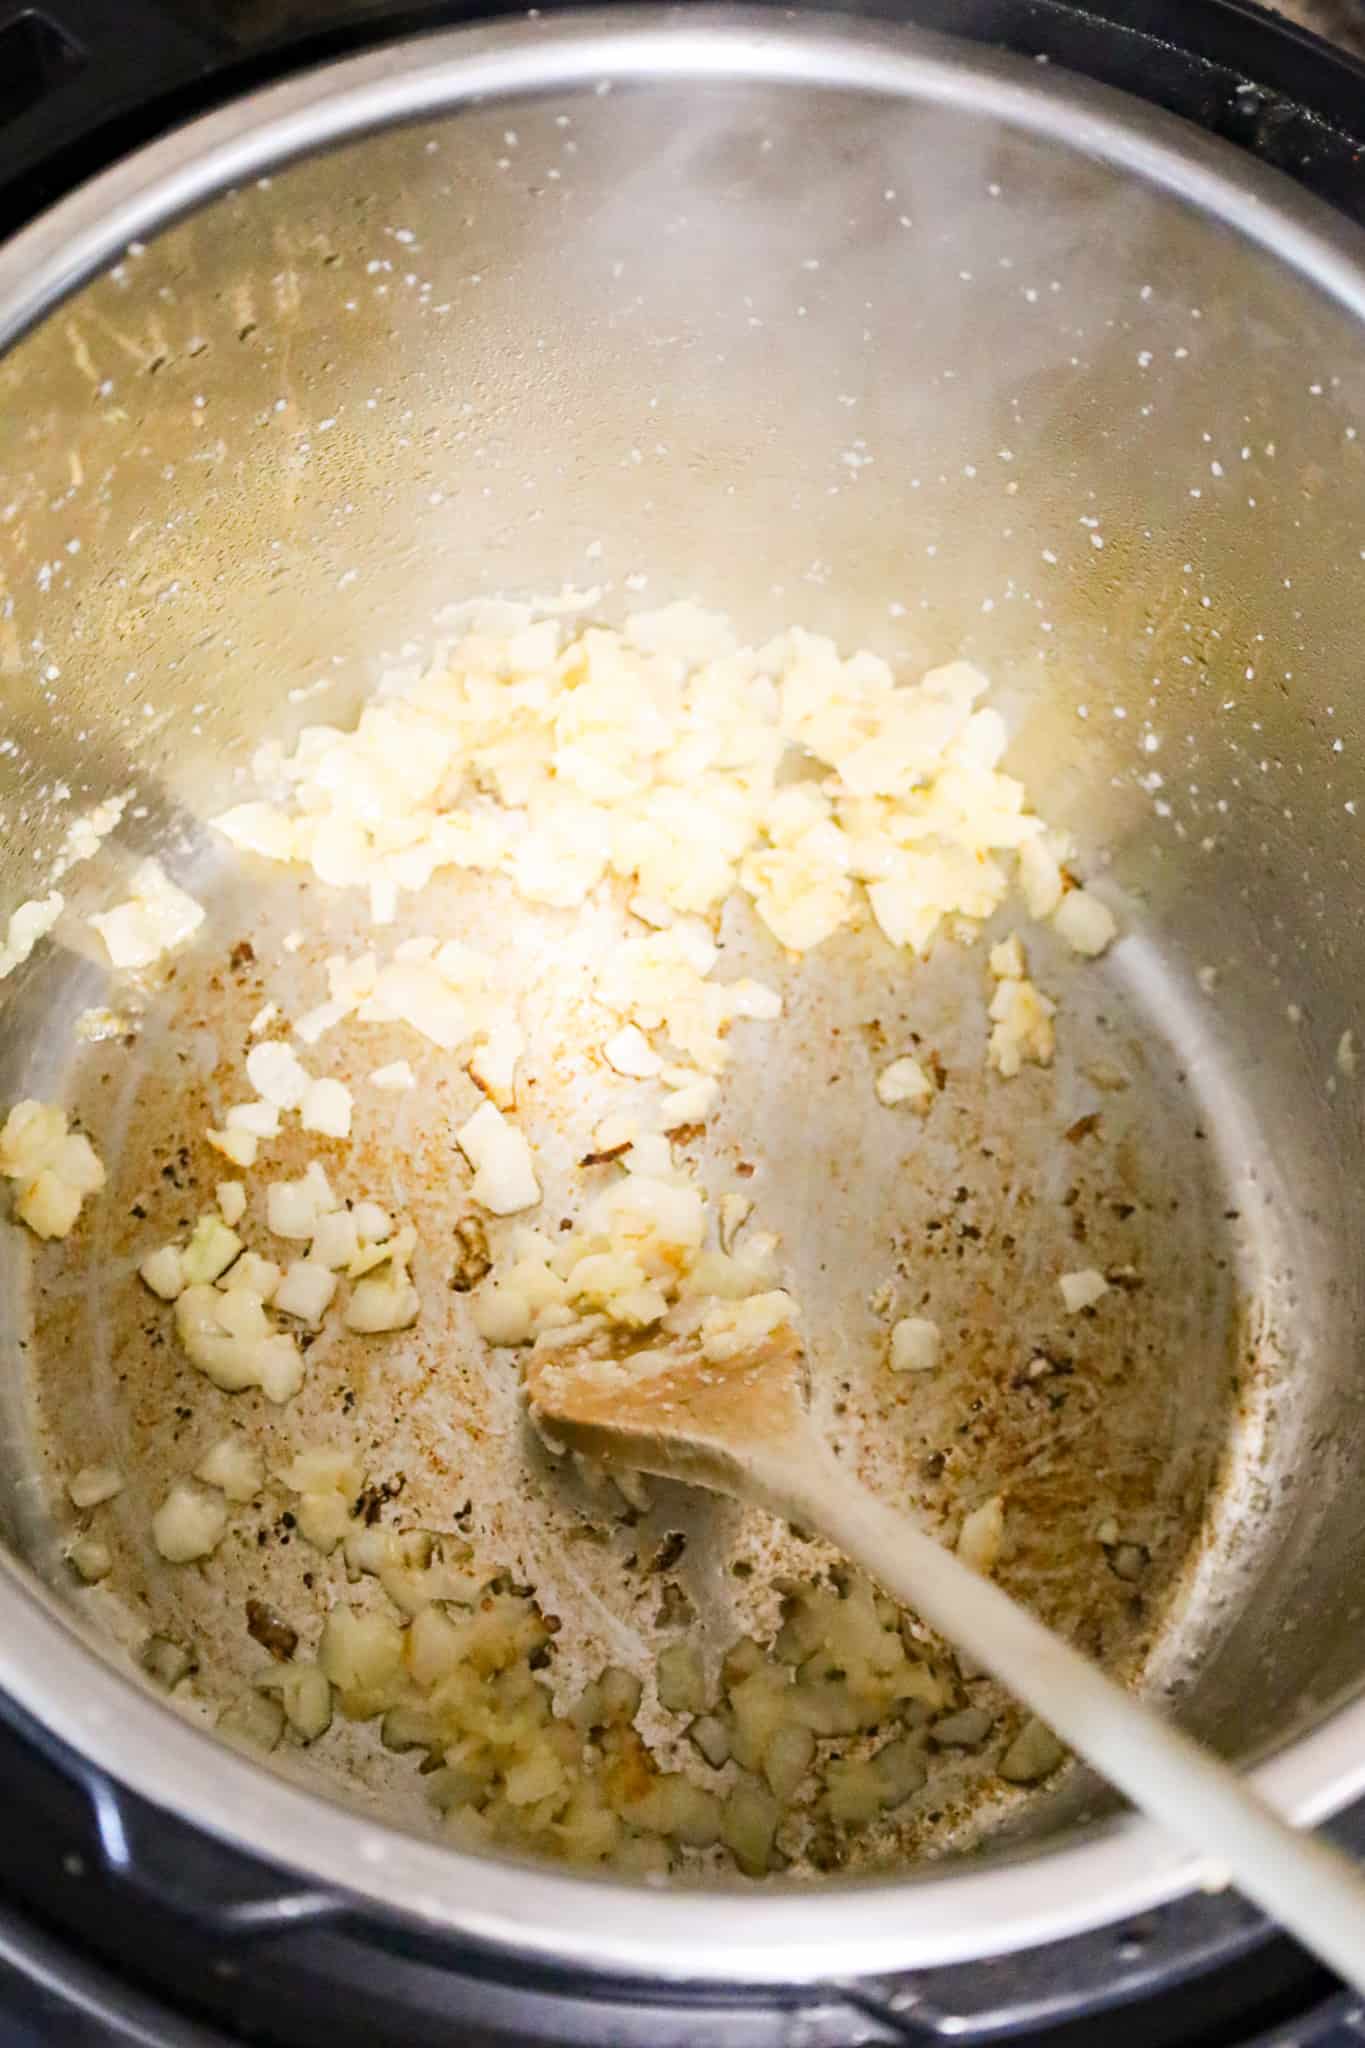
(934, 351)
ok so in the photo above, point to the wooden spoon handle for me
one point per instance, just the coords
(1301, 1882)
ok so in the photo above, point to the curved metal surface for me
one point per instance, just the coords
(464, 67)
(778, 1935)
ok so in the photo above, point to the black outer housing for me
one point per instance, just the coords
(118, 1922)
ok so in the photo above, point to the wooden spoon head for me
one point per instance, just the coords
(669, 1409)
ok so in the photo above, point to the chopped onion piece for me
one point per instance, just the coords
(614, 1133)
(235, 1467)
(734, 1327)
(241, 1147)
(372, 1222)
(231, 1201)
(164, 1272)
(1040, 877)
(386, 1301)
(1021, 1018)
(306, 1291)
(99, 1023)
(905, 1081)
(328, 1469)
(360, 1652)
(165, 1661)
(29, 1139)
(94, 1484)
(337, 1238)
(692, 1104)
(188, 1525)
(281, 1368)
(210, 1251)
(90, 1559)
(157, 918)
(323, 1519)
(293, 1207)
(228, 1336)
(630, 1053)
(252, 1722)
(277, 1074)
(493, 1063)
(1087, 925)
(1082, 1290)
(396, 1076)
(915, 1345)
(252, 1275)
(29, 923)
(503, 1314)
(48, 1205)
(258, 1119)
(982, 1534)
(650, 1155)
(749, 1825)
(327, 1108)
(1034, 1753)
(398, 1247)
(55, 1167)
(258, 828)
(306, 1696)
(77, 1163)
(504, 1174)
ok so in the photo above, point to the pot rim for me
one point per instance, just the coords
(783, 1933)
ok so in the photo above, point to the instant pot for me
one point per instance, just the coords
(121, 1918)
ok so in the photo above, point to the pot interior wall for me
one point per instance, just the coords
(891, 370)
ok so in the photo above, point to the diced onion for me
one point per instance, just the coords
(387, 1301)
(1087, 925)
(210, 1251)
(55, 1168)
(336, 1239)
(91, 1559)
(504, 1173)
(188, 1525)
(904, 1081)
(630, 1053)
(164, 1272)
(915, 1345)
(241, 1147)
(306, 1696)
(360, 1652)
(396, 1076)
(234, 1466)
(326, 1108)
(277, 1074)
(252, 1275)
(982, 1533)
(372, 1222)
(1082, 1290)
(306, 1291)
(94, 1484)
(258, 1119)
(157, 918)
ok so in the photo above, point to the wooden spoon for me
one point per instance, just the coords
(740, 1425)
